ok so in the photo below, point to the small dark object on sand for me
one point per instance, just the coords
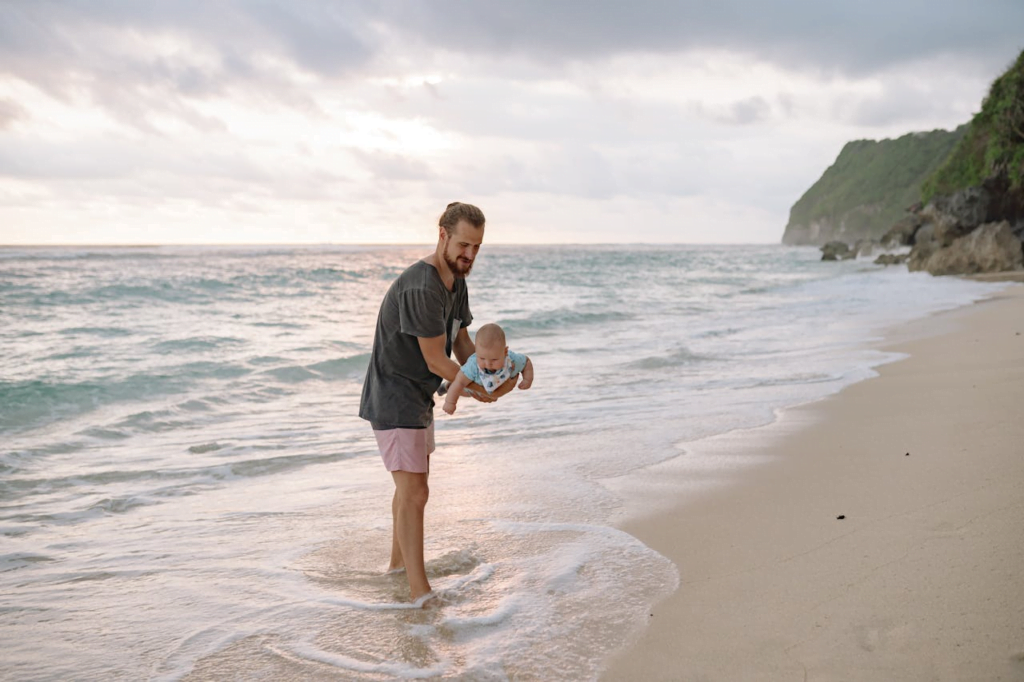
(841, 517)
(907, 455)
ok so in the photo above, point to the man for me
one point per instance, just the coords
(424, 317)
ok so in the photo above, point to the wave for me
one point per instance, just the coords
(41, 254)
(557, 321)
(164, 484)
(350, 367)
(293, 374)
(104, 332)
(147, 421)
(332, 275)
(11, 562)
(679, 357)
(341, 368)
(125, 296)
(204, 448)
(795, 379)
(310, 652)
(119, 505)
(101, 433)
(32, 403)
(197, 343)
(718, 333)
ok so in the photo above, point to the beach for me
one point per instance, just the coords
(872, 535)
(180, 437)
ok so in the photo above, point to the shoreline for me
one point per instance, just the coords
(921, 579)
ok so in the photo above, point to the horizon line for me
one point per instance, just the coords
(373, 244)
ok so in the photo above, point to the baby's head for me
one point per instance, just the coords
(491, 350)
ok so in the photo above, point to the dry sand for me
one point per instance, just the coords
(924, 577)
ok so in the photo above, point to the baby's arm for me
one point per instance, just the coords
(451, 398)
(527, 375)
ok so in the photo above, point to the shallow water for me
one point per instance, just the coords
(186, 492)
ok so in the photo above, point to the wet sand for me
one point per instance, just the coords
(923, 578)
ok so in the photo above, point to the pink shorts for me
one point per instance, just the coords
(406, 449)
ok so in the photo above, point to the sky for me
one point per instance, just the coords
(307, 121)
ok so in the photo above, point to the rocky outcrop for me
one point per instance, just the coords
(991, 247)
(891, 259)
(949, 238)
(837, 251)
(902, 233)
(865, 248)
(952, 235)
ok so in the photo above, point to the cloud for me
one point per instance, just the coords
(10, 112)
(138, 59)
(853, 38)
(741, 112)
(394, 167)
(45, 40)
(378, 109)
(913, 103)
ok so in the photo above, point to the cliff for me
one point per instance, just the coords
(971, 219)
(868, 188)
(992, 151)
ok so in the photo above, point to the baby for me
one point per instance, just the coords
(490, 366)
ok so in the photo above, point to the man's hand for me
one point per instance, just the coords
(479, 393)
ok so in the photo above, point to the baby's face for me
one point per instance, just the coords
(491, 359)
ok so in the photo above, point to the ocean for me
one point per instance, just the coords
(186, 491)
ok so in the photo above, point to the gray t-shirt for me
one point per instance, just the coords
(399, 388)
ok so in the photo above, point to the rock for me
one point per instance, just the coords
(902, 233)
(864, 248)
(837, 251)
(946, 227)
(967, 207)
(950, 218)
(924, 246)
(892, 258)
(989, 248)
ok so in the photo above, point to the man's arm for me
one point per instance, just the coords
(463, 346)
(443, 366)
(505, 387)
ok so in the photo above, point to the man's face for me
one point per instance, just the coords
(461, 247)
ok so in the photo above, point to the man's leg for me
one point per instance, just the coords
(411, 493)
(397, 562)
(396, 550)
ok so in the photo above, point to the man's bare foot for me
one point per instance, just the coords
(395, 570)
(430, 600)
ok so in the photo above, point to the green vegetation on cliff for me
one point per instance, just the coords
(993, 146)
(868, 188)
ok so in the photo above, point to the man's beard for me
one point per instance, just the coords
(458, 269)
